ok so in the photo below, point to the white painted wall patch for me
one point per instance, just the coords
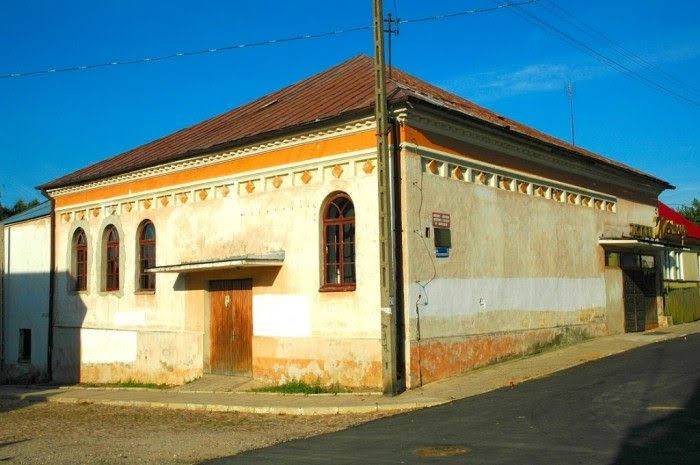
(281, 315)
(107, 346)
(129, 318)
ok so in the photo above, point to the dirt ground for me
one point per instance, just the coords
(83, 433)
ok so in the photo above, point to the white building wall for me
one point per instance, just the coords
(524, 268)
(298, 332)
(27, 259)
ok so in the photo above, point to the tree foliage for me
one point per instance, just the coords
(18, 207)
(692, 211)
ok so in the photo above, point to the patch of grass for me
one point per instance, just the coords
(296, 386)
(129, 383)
(569, 336)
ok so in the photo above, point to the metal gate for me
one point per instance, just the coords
(640, 297)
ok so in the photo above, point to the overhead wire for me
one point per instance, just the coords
(594, 32)
(261, 43)
(541, 23)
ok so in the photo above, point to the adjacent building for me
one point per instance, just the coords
(681, 265)
(24, 307)
(248, 243)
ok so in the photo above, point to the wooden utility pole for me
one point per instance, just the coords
(386, 261)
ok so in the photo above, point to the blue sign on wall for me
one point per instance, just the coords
(442, 252)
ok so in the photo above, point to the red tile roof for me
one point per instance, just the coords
(344, 90)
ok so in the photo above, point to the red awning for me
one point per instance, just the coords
(670, 214)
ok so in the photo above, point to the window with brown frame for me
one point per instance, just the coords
(112, 259)
(147, 256)
(80, 260)
(339, 244)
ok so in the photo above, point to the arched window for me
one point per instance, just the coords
(339, 243)
(111, 258)
(80, 260)
(147, 256)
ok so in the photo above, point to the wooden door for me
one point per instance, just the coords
(231, 326)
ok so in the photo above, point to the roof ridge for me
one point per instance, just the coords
(342, 90)
(243, 108)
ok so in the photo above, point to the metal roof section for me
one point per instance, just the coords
(693, 230)
(632, 244)
(343, 91)
(43, 209)
(269, 259)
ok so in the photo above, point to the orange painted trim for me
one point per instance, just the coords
(422, 138)
(338, 145)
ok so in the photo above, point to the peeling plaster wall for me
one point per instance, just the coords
(521, 270)
(614, 303)
(691, 266)
(299, 332)
(26, 299)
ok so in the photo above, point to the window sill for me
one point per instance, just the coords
(84, 292)
(145, 292)
(337, 288)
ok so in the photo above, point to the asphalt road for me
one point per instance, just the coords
(638, 407)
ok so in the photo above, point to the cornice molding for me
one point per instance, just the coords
(466, 164)
(533, 151)
(222, 156)
(357, 163)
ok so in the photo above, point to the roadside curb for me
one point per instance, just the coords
(270, 410)
(176, 389)
(441, 392)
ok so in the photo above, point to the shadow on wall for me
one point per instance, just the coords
(26, 327)
(26, 330)
(68, 318)
(263, 277)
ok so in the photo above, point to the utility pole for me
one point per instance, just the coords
(386, 262)
(570, 94)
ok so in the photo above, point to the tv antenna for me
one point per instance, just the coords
(570, 94)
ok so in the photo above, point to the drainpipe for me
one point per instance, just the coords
(52, 279)
(397, 228)
(2, 302)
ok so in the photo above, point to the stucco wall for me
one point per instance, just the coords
(26, 296)
(690, 264)
(2, 301)
(299, 332)
(615, 305)
(521, 269)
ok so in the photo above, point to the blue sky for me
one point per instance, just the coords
(53, 124)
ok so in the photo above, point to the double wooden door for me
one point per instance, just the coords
(231, 326)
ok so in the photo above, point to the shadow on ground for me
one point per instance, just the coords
(9, 443)
(671, 440)
(638, 407)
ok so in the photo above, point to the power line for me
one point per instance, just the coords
(188, 53)
(258, 44)
(592, 31)
(541, 23)
(498, 6)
